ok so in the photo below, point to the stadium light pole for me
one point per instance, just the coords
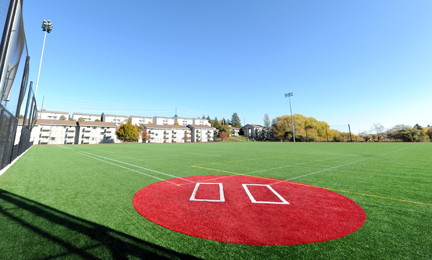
(289, 95)
(47, 28)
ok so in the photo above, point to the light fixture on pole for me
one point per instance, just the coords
(47, 28)
(289, 95)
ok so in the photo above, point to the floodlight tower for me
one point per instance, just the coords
(289, 95)
(47, 28)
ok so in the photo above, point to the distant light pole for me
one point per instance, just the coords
(47, 28)
(289, 95)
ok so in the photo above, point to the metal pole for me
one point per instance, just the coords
(40, 64)
(292, 118)
(349, 128)
(40, 114)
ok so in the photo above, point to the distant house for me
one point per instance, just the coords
(160, 120)
(90, 132)
(168, 133)
(200, 121)
(52, 115)
(203, 133)
(140, 120)
(183, 121)
(86, 117)
(234, 131)
(116, 119)
(256, 131)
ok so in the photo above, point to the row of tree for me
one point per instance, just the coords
(401, 132)
(306, 129)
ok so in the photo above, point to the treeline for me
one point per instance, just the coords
(401, 133)
(307, 129)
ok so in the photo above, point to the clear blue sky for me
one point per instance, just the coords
(347, 62)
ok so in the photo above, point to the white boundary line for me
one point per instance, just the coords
(335, 167)
(166, 174)
(221, 193)
(283, 201)
(12, 163)
(120, 166)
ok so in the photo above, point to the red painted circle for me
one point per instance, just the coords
(312, 215)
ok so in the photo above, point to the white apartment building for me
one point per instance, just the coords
(200, 121)
(140, 120)
(52, 115)
(234, 131)
(203, 133)
(86, 117)
(116, 119)
(89, 132)
(168, 133)
(54, 132)
(183, 121)
(257, 131)
(159, 120)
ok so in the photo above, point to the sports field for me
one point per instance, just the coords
(79, 201)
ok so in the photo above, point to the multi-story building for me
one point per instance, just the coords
(141, 120)
(89, 132)
(116, 119)
(253, 131)
(168, 133)
(52, 115)
(183, 121)
(200, 121)
(86, 117)
(159, 120)
(234, 131)
(203, 133)
(54, 132)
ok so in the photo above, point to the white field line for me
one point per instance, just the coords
(292, 165)
(166, 174)
(335, 167)
(119, 166)
(287, 166)
(13, 162)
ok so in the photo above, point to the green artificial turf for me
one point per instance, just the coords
(75, 202)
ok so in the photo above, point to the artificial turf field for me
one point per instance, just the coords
(75, 202)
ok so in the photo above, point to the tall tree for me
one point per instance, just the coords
(379, 129)
(216, 122)
(102, 115)
(62, 117)
(280, 126)
(235, 121)
(208, 118)
(266, 121)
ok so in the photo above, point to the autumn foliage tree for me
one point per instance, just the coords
(145, 135)
(127, 132)
(223, 135)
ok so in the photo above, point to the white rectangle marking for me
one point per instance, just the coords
(283, 201)
(221, 193)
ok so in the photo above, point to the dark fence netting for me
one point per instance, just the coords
(16, 101)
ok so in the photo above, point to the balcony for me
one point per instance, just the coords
(85, 141)
(86, 135)
(173, 136)
(46, 128)
(107, 136)
(69, 130)
(108, 131)
(69, 141)
(45, 134)
(198, 136)
(70, 134)
(86, 130)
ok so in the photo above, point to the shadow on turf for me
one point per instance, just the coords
(31, 230)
